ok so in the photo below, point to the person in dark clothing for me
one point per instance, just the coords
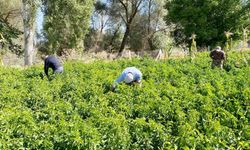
(218, 57)
(53, 63)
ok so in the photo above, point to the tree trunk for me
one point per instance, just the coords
(149, 38)
(150, 43)
(28, 33)
(113, 37)
(124, 40)
(28, 45)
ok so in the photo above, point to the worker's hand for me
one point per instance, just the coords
(139, 83)
(113, 87)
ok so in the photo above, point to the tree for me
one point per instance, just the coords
(105, 29)
(142, 23)
(99, 20)
(66, 23)
(29, 11)
(208, 19)
(128, 10)
(138, 33)
(155, 13)
(10, 11)
(149, 31)
(113, 36)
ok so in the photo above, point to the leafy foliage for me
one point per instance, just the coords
(66, 23)
(9, 10)
(208, 19)
(9, 33)
(182, 105)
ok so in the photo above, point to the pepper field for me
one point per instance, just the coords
(182, 104)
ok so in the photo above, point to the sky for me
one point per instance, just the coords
(39, 20)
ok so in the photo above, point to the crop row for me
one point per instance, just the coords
(182, 104)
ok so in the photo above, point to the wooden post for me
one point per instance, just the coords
(245, 32)
(193, 47)
(228, 44)
(2, 41)
(159, 55)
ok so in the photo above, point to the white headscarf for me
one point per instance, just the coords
(129, 78)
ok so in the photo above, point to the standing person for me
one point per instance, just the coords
(130, 76)
(53, 63)
(218, 57)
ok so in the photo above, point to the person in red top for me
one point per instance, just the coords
(218, 57)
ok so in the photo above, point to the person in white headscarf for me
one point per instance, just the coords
(130, 76)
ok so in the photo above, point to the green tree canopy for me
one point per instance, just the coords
(66, 23)
(9, 11)
(208, 19)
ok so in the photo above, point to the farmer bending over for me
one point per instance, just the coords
(130, 76)
(53, 63)
(218, 56)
